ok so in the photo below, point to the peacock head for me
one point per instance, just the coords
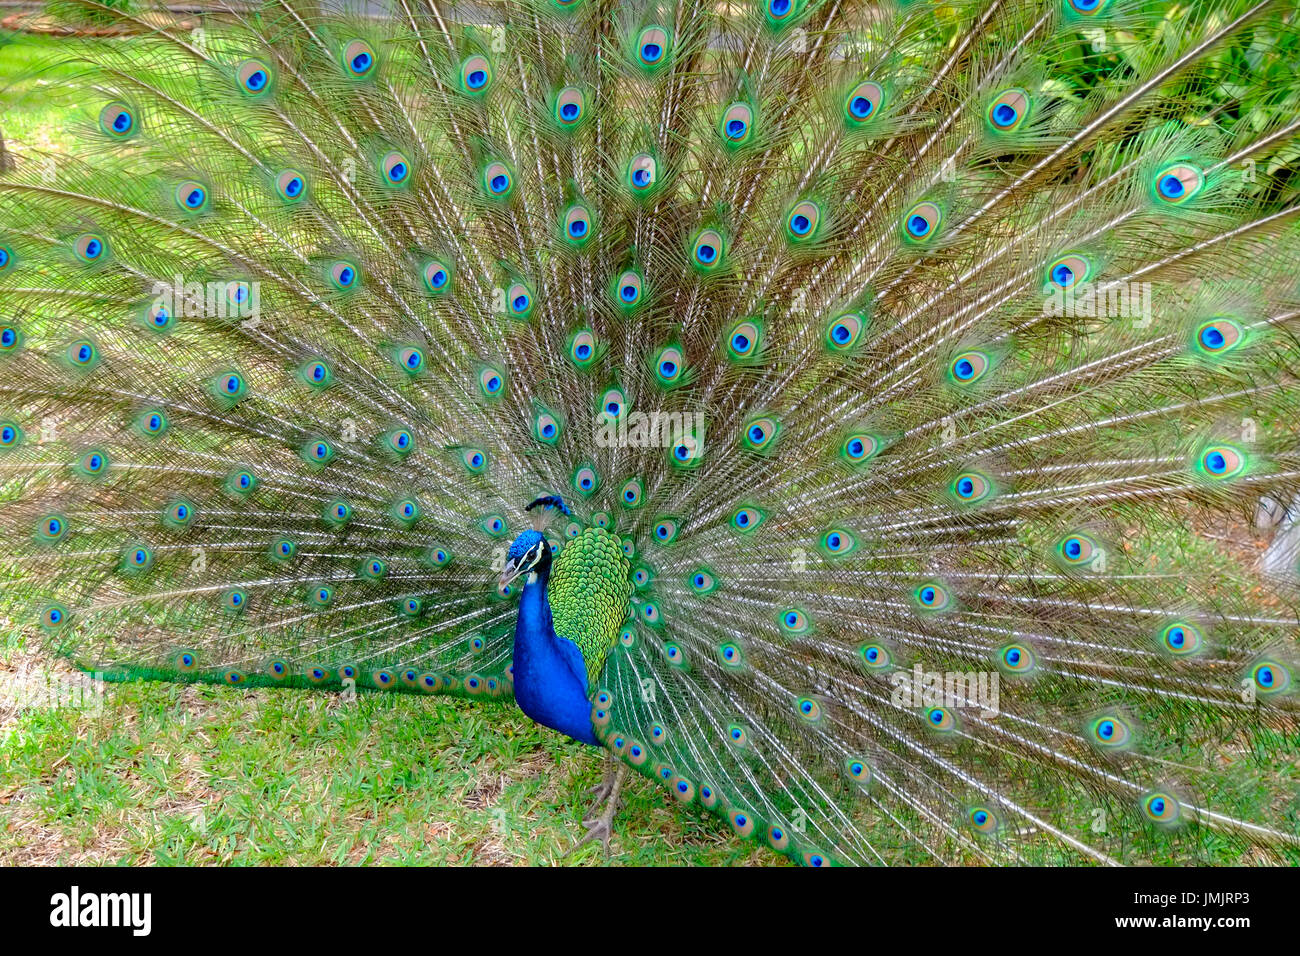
(530, 553)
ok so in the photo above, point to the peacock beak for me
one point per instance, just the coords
(514, 567)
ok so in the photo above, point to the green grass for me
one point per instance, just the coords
(183, 774)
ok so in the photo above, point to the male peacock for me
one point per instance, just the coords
(896, 379)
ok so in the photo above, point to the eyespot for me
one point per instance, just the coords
(971, 487)
(742, 824)
(932, 596)
(1178, 183)
(93, 464)
(941, 719)
(730, 655)
(83, 354)
(858, 770)
(982, 820)
(291, 185)
(628, 289)
(234, 600)
(1161, 808)
(546, 427)
(1181, 639)
(494, 525)
(11, 339)
(437, 276)
(859, 447)
(802, 221)
(474, 459)
(681, 788)
(476, 74)
(968, 367)
(1077, 549)
(359, 58)
(1086, 8)
(863, 102)
(1220, 462)
(600, 519)
(406, 511)
(666, 530)
(6, 259)
(241, 482)
(674, 655)
(738, 735)
(338, 512)
(1110, 732)
(577, 225)
(1017, 659)
(744, 341)
(90, 247)
(708, 250)
(747, 519)
(1218, 336)
(782, 11)
(583, 348)
(438, 556)
(179, 514)
(117, 120)
(230, 386)
(652, 46)
(777, 837)
(586, 481)
(613, 403)
(344, 274)
(736, 125)
(137, 559)
(520, 300)
(192, 196)
(1270, 677)
(395, 168)
(669, 365)
(491, 382)
(838, 543)
(794, 622)
(399, 442)
(373, 568)
(569, 107)
(1069, 270)
(319, 452)
(629, 547)
(186, 661)
(411, 359)
(642, 577)
(845, 331)
(498, 180)
(1009, 110)
(627, 637)
(51, 528)
(283, 549)
(642, 172)
(254, 77)
(316, 374)
(152, 422)
(921, 222)
(759, 434)
(630, 493)
(876, 657)
(11, 436)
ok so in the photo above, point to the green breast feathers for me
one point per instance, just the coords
(588, 593)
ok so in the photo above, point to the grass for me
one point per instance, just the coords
(172, 774)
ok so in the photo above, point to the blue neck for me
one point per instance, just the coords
(550, 675)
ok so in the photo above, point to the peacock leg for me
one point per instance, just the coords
(601, 827)
(602, 789)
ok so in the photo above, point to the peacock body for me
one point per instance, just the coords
(891, 381)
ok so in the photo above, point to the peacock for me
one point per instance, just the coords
(848, 415)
